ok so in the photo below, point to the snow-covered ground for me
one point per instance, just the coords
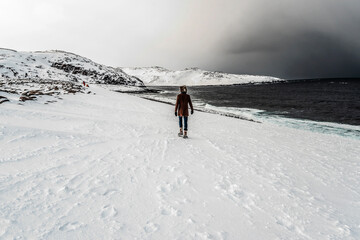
(158, 76)
(110, 166)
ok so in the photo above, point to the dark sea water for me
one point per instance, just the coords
(330, 106)
(325, 100)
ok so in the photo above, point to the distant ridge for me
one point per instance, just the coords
(8, 49)
(159, 76)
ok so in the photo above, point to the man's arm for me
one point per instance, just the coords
(176, 105)
(191, 106)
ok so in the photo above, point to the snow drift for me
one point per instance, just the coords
(158, 76)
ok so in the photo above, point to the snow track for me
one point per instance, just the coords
(110, 166)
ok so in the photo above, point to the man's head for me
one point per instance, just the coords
(183, 89)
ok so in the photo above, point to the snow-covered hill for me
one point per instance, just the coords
(158, 76)
(110, 166)
(59, 65)
(65, 66)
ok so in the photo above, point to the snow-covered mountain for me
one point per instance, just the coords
(158, 76)
(60, 65)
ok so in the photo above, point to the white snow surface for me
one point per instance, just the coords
(111, 166)
(59, 65)
(158, 76)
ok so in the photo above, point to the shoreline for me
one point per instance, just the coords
(201, 110)
(339, 129)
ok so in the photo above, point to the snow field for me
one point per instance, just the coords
(110, 166)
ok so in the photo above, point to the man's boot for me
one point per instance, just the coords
(180, 133)
(185, 134)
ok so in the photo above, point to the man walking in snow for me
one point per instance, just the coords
(182, 110)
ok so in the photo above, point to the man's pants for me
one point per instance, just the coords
(185, 123)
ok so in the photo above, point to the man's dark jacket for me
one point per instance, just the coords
(182, 102)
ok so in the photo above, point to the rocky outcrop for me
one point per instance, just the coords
(26, 89)
(3, 99)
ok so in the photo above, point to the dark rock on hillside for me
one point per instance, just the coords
(3, 99)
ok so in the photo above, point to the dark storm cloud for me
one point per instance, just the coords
(283, 38)
(309, 46)
(302, 54)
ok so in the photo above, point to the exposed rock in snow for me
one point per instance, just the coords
(59, 65)
(3, 99)
(21, 90)
(158, 76)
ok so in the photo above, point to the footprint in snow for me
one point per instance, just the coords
(176, 184)
(171, 168)
(151, 227)
(110, 192)
(109, 211)
(70, 226)
(236, 194)
(168, 210)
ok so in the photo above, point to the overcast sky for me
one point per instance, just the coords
(283, 38)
